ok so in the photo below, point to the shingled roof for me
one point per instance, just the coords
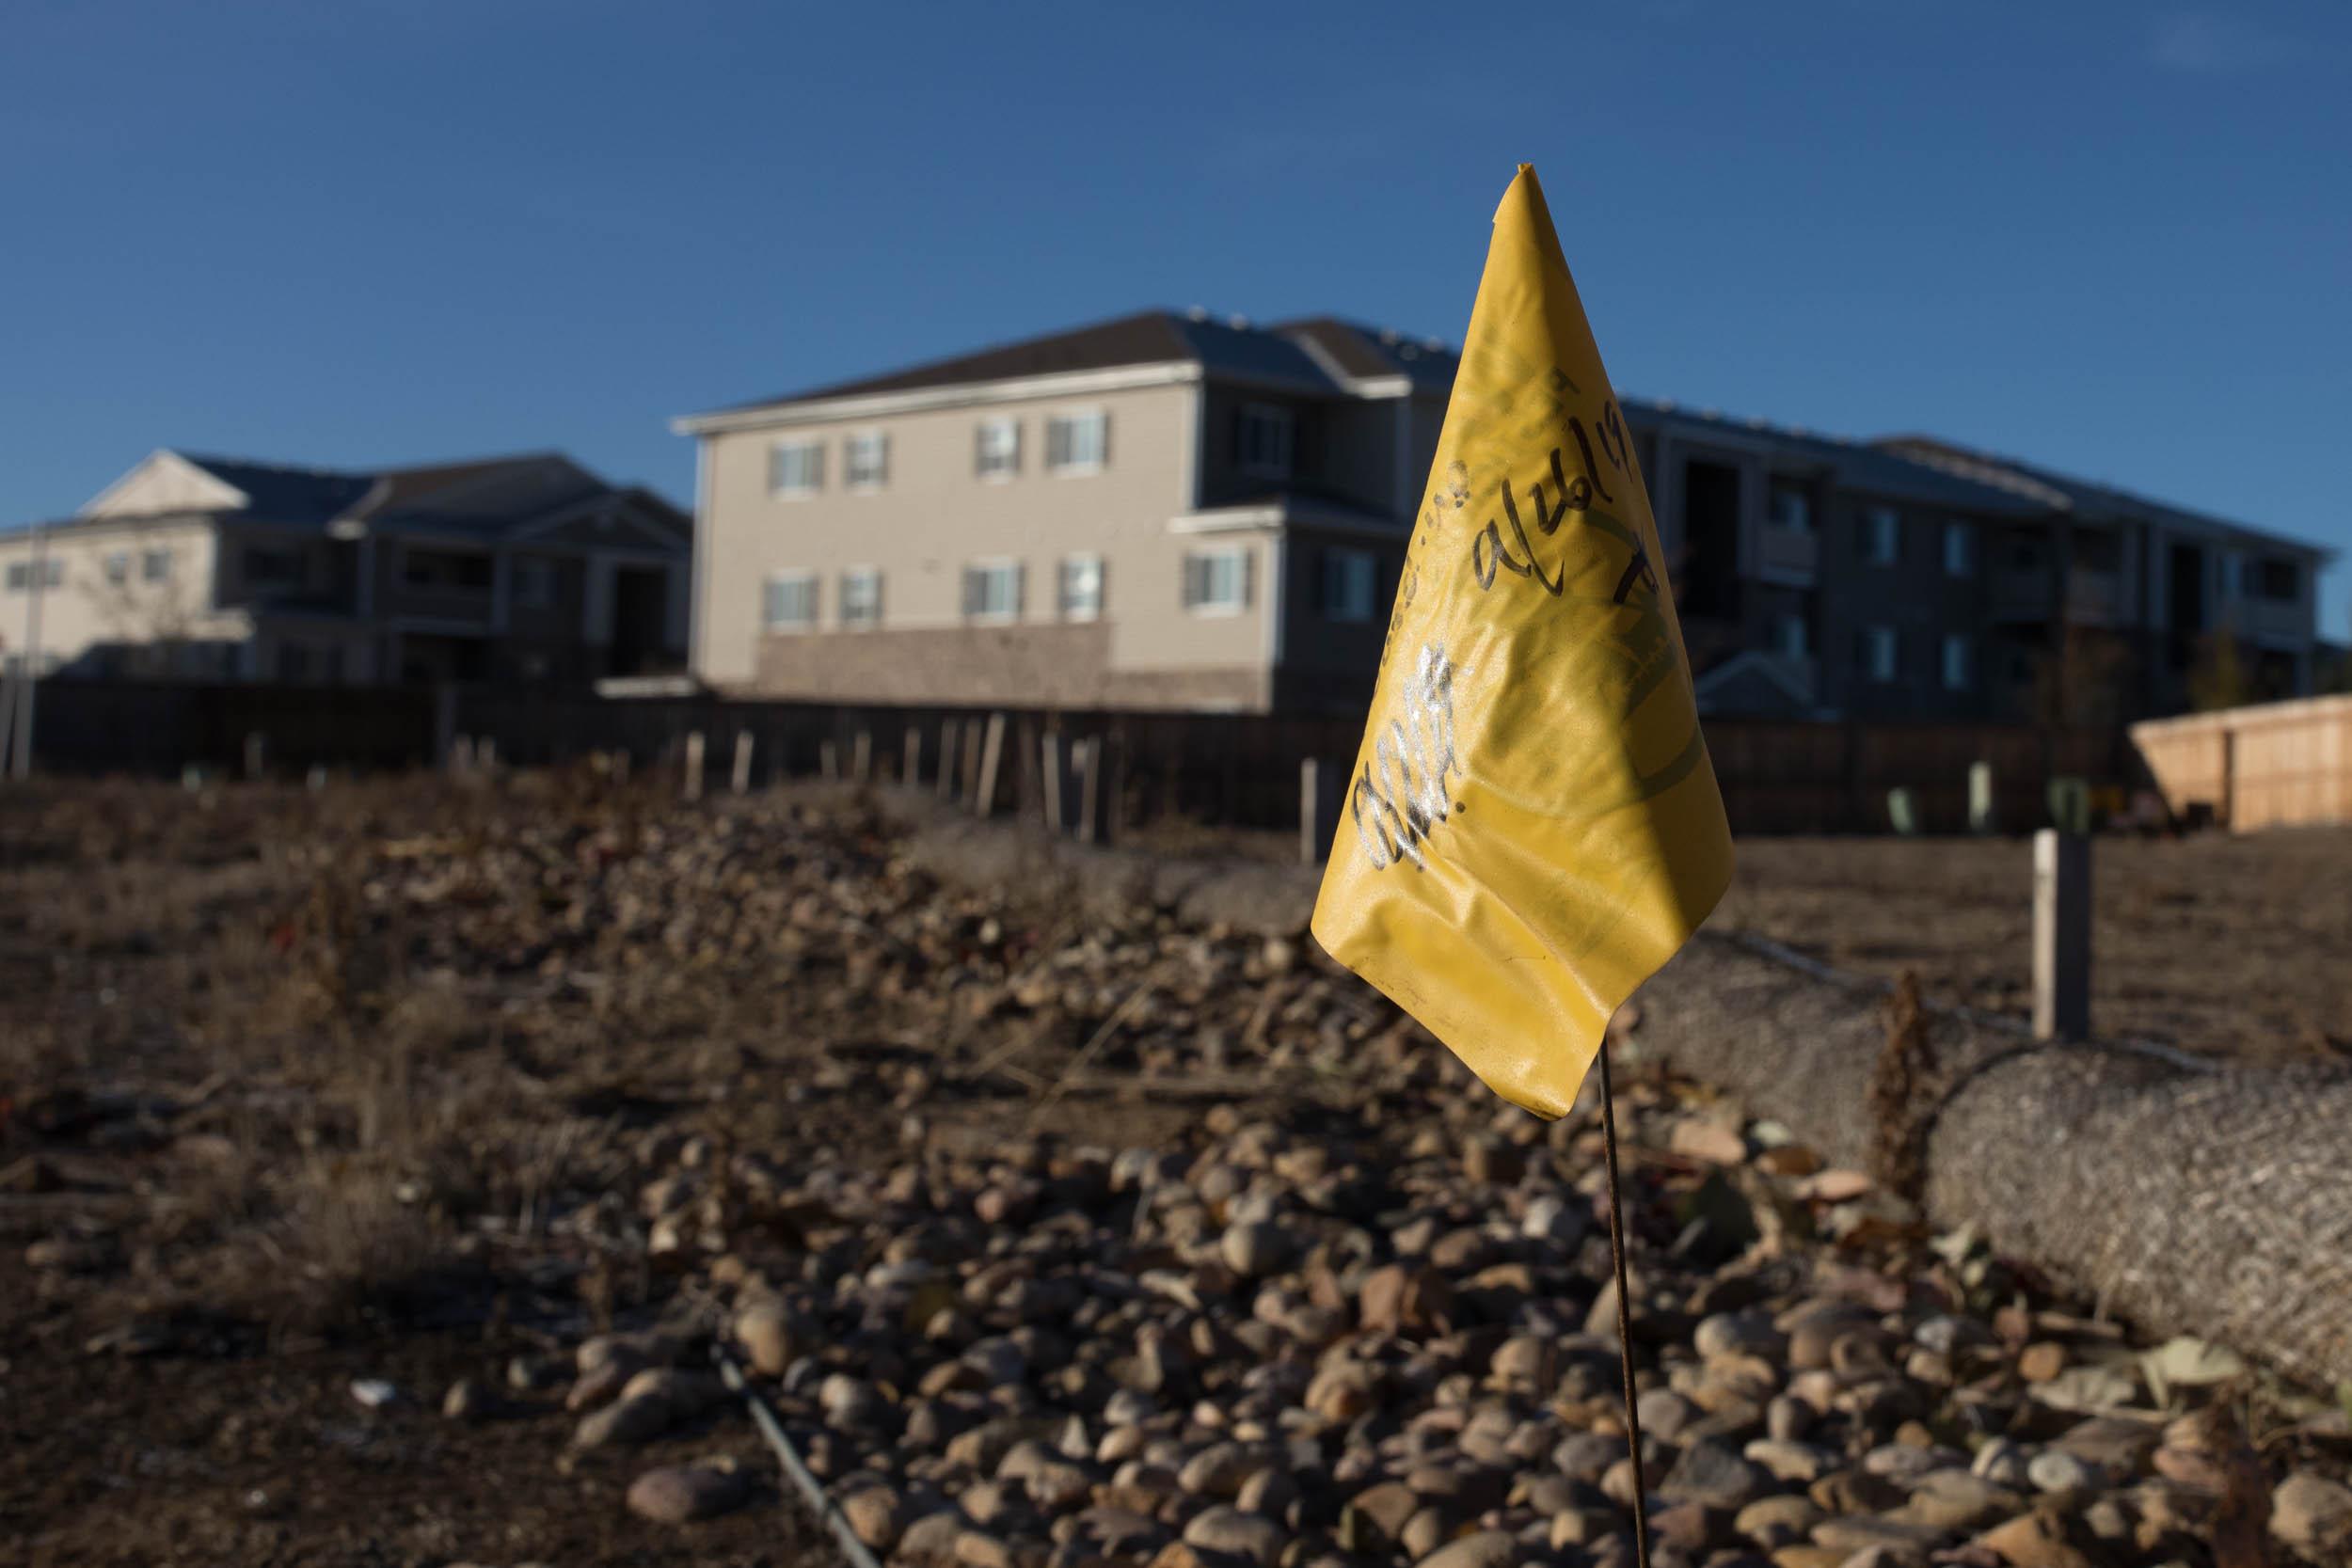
(1231, 348)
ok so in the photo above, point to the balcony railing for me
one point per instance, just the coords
(2093, 597)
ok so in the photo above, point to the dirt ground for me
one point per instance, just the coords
(299, 1089)
(2234, 946)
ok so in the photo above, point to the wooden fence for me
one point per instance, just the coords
(2269, 766)
(1224, 769)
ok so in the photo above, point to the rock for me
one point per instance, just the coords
(1690, 1528)
(469, 1400)
(1737, 1334)
(1712, 1141)
(1376, 1517)
(1711, 1474)
(636, 1420)
(2037, 1540)
(2312, 1515)
(2004, 1463)
(1957, 1501)
(876, 1515)
(2057, 1470)
(1267, 1492)
(1798, 1462)
(1228, 1530)
(1554, 1219)
(1342, 1391)
(1217, 1470)
(1491, 1548)
(1491, 1160)
(1256, 1248)
(2040, 1363)
(1771, 1522)
(372, 1392)
(766, 1335)
(677, 1493)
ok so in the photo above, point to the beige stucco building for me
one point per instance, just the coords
(1162, 511)
(193, 567)
(1175, 510)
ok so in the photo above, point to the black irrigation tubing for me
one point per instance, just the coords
(812, 1490)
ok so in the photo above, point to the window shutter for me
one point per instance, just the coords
(1020, 586)
(1191, 586)
(971, 590)
(1248, 571)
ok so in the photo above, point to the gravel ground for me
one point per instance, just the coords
(1059, 1225)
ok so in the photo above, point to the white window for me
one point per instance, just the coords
(534, 582)
(1790, 507)
(155, 566)
(865, 460)
(1216, 582)
(790, 601)
(118, 567)
(1077, 443)
(1959, 661)
(796, 467)
(861, 597)
(1347, 584)
(997, 449)
(992, 591)
(1081, 595)
(1265, 440)
(1878, 652)
(21, 574)
(1881, 535)
(1960, 549)
(1792, 637)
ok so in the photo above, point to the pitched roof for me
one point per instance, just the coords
(1366, 353)
(285, 494)
(2066, 493)
(1232, 348)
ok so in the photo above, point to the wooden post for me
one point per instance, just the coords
(694, 765)
(912, 763)
(946, 780)
(991, 757)
(969, 770)
(1088, 755)
(317, 779)
(828, 759)
(460, 755)
(1902, 811)
(742, 782)
(1983, 816)
(620, 766)
(2061, 935)
(255, 752)
(1114, 772)
(1049, 775)
(862, 757)
(485, 754)
(9, 768)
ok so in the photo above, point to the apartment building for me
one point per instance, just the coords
(1176, 510)
(211, 568)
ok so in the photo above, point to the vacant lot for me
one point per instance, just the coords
(1110, 1221)
(2230, 946)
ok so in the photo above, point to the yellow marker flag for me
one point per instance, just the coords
(1533, 826)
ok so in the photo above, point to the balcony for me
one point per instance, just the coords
(2093, 597)
(1790, 556)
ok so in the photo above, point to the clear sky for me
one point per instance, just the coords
(2114, 238)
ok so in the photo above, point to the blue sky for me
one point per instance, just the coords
(2113, 238)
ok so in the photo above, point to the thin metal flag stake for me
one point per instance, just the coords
(1625, 1309)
